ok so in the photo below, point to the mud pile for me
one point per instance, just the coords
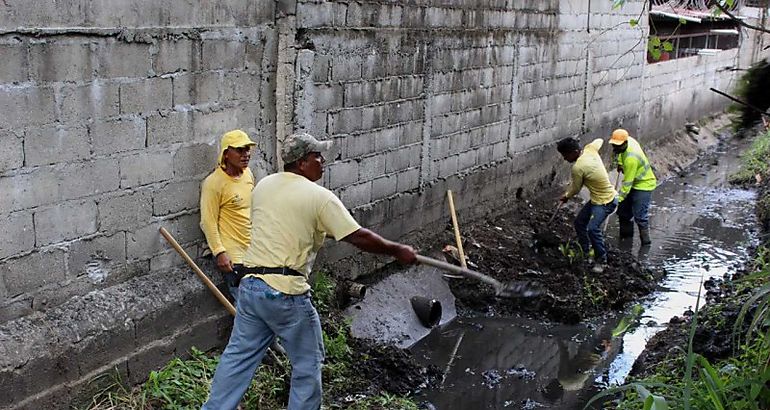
(521, 246)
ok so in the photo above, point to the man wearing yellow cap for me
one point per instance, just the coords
(295, 215)
(638, 183)
(226, 206)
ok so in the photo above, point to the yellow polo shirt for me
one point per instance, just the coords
(226, 212)
(589, 170)
(295, 215)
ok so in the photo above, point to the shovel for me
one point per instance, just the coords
(548, 239)
(518, 289)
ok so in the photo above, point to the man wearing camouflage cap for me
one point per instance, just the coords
(295, 216)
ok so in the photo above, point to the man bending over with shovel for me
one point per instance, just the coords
(588, 169)
(294, 215)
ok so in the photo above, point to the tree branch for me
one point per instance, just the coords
(722, 8)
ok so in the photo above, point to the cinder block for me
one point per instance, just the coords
(61, 61)
(197, 88)
(211, 125)
(356, 195)
(67, 220)
(40, 187)
(125, 212)
(146, 168)
(328, 97)
(18, 233)
(144, 242)
(185, 228)
(118, 135)
(176, 55)
(12, 154)
(168, 128)
(15, 308)
(96, 100)
(14, 64)
(255, 53)
(346, 69)
(322, 67)
(117, 58)
(146, 95)
(88, 178)
(372, 166)
(176, 196)
(408, 180)
(313, 15)
(384, 186)
(26, 105)
(199, 159)
(96, 257)
(244, 86)
(223, 54)
(51, 144)
(33, 271)
(342, 173)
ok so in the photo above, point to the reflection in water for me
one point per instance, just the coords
(701, 228)
(500, 363)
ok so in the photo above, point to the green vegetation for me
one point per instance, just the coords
(184, 384)
(755, 161)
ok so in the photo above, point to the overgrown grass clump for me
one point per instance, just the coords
(185, 383)
(755, 161)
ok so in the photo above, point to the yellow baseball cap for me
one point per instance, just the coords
(619, 136)
(235, 139)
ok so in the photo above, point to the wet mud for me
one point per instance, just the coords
(521, 245)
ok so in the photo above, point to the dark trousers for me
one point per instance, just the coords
(636, 206)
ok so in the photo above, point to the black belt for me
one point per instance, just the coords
(258, 270)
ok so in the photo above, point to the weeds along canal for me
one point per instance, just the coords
(702, 227)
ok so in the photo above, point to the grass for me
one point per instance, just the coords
(755, 161)
(184, 383)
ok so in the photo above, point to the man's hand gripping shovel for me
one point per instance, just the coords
(515, 289)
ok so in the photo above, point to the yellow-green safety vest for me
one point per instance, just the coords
(637, 172)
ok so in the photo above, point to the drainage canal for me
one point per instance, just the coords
(703, 227)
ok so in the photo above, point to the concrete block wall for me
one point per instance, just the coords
(112, 112)
(428, 96)
(109, 133)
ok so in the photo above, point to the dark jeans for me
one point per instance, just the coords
(588, 226)
(636, 206)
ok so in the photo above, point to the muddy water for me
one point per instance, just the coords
(702, 228)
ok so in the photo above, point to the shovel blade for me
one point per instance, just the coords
(520, 289)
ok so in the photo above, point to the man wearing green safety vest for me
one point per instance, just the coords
(638, 183)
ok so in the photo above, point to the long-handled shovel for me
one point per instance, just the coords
(209, 284)
(518, 289)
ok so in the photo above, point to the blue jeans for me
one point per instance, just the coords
(262, 313)
(636, 206)
(588, 226)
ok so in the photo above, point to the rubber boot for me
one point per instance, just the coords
(626, 229)
(644, 235)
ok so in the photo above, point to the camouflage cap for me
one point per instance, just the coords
(297, 146)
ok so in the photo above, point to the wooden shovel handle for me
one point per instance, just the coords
(206, 281)
(459, 270)
(456, 227)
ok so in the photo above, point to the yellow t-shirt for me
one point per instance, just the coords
(589, 170)
(226, 212)
(294, 215)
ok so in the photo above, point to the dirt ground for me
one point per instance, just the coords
(521, 246)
